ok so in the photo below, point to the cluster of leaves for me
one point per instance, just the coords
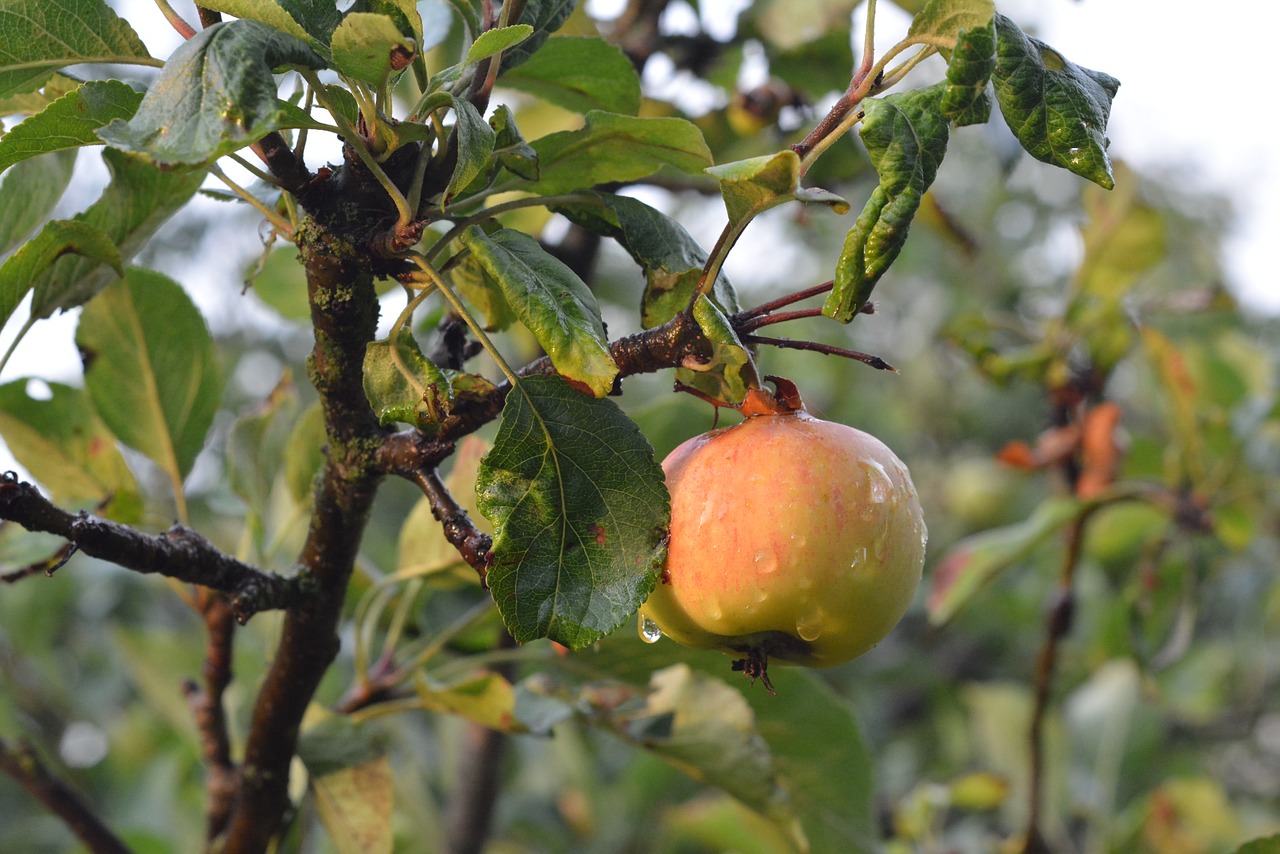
(446, 198)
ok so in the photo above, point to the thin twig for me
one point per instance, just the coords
(458, 529)
(210, 713)
(1057, 624)
(785, 300)
(47, 566)
(21, 763)
(827, 349)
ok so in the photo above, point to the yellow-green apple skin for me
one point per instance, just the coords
(794, 537)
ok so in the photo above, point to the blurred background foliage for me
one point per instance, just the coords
(1020, 285)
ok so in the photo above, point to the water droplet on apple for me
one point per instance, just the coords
(761, 595)
(859, 558)
(649, 631)
(809, 626)
(881, 542)
(879, 486)
(766, 561)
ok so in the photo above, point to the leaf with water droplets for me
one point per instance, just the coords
(579, 511)
(1058, 110)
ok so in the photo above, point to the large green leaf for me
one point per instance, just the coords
(256, 446)
(37, 37)
(610, 147)
(906, 137)
(215, 95)
(1058, 110)
(671, 259)
(550, 299)
(69, 122)
(579, 510)
(68, 449)
(58, 238)
(966, 100)
(150, 368)
(28, 194)
(1263, 845)
(579, 73)
(139, 199)
(30, 103)
(349, 775)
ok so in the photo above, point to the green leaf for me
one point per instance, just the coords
(28, 195)
(41, 36)
(510, 151)
(69, 122)
(476, 140)
(965, 100)
(906, 137)
(398, 383)
(304, 456)
(215, 95)
(579, 73)
(545, 16)
(68, 449)
(976, 560)
(58, 238)
(704, 727)
(551, 301)
(498, 39)
(280, 281)
(829, 779)
(256, 446)
(610, 147)
(671, 259)
(1058, 110)
(1265, 845)
(350, 778)
(750, 187)
(945, 19)
(30, 103)
(286, 16)
(729, 370)
(579, 511)
(140, 198)
(482, 293)
(370, 47)
(150, 369)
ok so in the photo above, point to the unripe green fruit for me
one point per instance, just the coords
(792, 539)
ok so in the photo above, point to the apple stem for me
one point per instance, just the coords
(756, 666)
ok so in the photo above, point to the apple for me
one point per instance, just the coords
(792, 539)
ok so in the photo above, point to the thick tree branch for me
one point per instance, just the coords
(179, 553)
(344, 311)
(21, 763)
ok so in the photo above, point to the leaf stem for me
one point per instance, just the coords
(783, 301)
(515, 204)
(476, 329)
(280, 223)
(175, 20)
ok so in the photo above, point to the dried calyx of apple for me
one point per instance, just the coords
(793, 539)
